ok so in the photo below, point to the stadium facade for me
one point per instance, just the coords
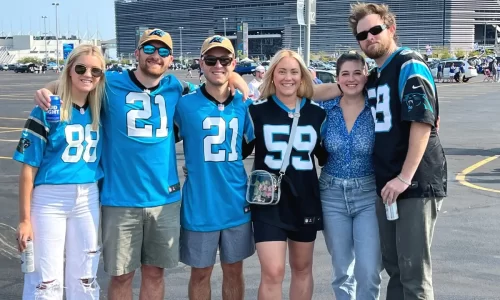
(273, 24)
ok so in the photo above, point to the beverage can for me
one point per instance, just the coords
(54, 112)
(391, 211)
(28, 258)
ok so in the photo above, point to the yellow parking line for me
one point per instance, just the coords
(9, 141)
(461, 177)
(16, 99)
(9, 127)
(5, 157)
(18, 95)
(8, 131)
(7, 118)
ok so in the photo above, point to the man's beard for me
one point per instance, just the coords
(155, 73)
(376, 50)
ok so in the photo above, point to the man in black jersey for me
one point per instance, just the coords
(409, 161)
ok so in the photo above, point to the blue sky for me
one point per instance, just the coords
(71, 15)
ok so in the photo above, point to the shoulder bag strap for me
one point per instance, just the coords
(288, 151)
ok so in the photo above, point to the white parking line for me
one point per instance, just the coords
(8, 248)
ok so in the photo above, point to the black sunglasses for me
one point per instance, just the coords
(212, 60)
(375, 30)
(82, 69)
(162, 51)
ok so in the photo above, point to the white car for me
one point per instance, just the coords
(326, 76)
(470, 71)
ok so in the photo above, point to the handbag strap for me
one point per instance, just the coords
(288, 151)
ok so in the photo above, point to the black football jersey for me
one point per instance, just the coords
(272, 124)
(400, 92)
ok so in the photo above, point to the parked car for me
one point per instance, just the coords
(52, 66)
(326, 76)
(266, 64)
(4, 67)
(470, 71)
(29, 68)
(245, 68)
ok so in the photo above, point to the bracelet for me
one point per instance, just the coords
(403, 180)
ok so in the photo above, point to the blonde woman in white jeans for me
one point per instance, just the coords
(58, 194)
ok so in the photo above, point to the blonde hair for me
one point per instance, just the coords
(361, 10)
(64, 89)
(306, 88)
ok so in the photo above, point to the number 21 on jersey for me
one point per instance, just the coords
(382, 110)
(144, 115)
(219, 139)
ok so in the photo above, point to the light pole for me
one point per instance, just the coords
(56, 4)
(180, 29)
(45, 36)
(225, 19)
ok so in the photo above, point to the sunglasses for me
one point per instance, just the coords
(82, 69)
(375, 30)
(162, 51)
(212, 60)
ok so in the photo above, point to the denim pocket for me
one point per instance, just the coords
(323, 183)
(368, 186)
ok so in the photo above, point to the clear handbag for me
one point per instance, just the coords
(264, 188)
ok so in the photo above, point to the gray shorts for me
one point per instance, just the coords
(199, 249)
(132, 237)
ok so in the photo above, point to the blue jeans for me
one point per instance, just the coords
(352, 236)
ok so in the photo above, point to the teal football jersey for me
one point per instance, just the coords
(139, 160)
(214, 192)
(66, 152)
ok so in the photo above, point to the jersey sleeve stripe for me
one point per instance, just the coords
(36, 127)
(414, 68)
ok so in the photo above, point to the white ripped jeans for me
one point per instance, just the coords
(65, 220)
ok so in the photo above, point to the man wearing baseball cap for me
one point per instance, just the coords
(214, 212)
(140, 193)
(254, 85)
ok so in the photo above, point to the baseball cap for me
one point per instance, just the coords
(217, 41)
(156, 35)
(260, 69)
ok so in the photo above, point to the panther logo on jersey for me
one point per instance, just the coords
(23, 144)
(415, 100)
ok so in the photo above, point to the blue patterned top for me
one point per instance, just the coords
(350, 154)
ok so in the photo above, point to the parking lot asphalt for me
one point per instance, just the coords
(466, 256)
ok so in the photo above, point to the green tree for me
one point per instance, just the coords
(460, 53)
(125, 61)
(29, 60)
(314, 56)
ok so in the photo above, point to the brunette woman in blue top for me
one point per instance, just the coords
(347, 187)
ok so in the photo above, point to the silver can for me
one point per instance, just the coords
(28, 258)
(391, 211)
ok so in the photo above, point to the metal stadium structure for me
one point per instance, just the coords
(273, 24)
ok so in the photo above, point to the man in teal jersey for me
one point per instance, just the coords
(213, 124)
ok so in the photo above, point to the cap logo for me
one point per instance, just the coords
(217, 39)
(158, 32)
